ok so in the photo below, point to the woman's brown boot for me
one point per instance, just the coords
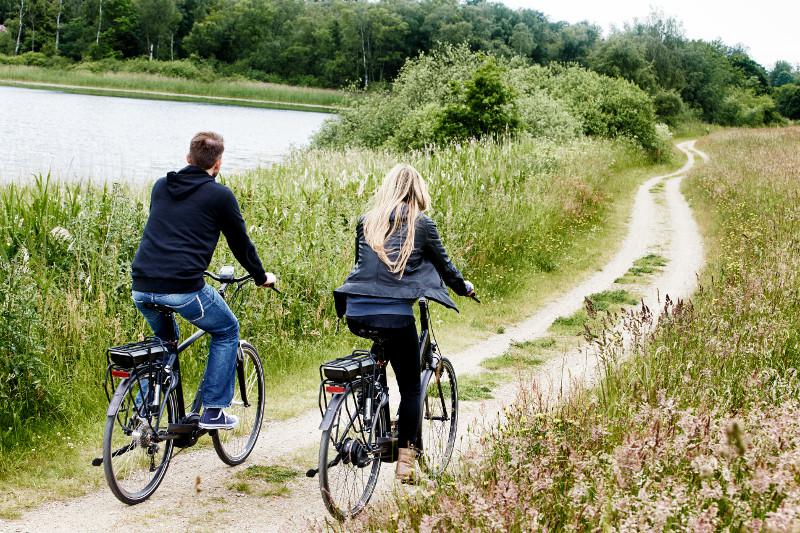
(406, 468)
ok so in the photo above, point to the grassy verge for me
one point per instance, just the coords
(152, 86)
(699, 428)
(523, 219)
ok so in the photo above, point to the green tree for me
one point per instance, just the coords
(787, 99)
(522, 40)
(158, 20)
(782, 74)
(482, 106)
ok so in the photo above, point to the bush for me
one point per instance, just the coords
(24, 391)
(605, 107)
(543, 116)
(34, 59)
(787, 100)
(407, 116)
(455, 94)
(669, 107)
(183, 68)
(483, 106)
(742, 107)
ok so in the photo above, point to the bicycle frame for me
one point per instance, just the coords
(429, 359)
(172, 366)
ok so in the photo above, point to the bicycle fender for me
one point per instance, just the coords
(116, 400)
(333, 406)
(424, 379)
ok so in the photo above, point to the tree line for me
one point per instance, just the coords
(339, 43)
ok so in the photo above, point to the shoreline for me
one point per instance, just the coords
(144, 94)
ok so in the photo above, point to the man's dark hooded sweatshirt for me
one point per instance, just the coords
(188, 210)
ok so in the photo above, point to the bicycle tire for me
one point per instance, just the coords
(119, 468)
(347, 503)
(235, 445)
(439, 418)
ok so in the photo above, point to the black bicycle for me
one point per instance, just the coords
(357, 432)
(146, 417)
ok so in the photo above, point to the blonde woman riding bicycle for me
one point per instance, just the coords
(399, 259)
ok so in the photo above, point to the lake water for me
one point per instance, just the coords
(100, 138)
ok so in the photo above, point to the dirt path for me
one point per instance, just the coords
(658, 224)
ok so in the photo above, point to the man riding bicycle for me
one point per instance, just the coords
(188, 210)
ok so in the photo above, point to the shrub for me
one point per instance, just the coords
(543, 116)
(457, 94)
(34, 59)
(482, 106)
(607, 107)
(742, 107)
(183, 68)
(24, 391)
(395, 118)
(787, 100)
(669, 107)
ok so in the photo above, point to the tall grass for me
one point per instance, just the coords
(699, 429)
(327, 99)
(507, 211)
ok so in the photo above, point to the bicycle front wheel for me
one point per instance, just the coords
(135, 459)
(439, 418)
(234, 445)
(349, 459)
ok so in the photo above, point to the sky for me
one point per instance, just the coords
(769, 29)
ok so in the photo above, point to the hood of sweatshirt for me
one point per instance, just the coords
(184, 182)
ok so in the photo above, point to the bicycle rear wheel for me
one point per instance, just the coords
(439, 418)
(349, 461)
(233, 446)
(134, 459)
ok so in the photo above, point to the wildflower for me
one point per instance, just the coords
(705, 466)
(61, 234)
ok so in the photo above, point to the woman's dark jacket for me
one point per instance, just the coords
(427, 271)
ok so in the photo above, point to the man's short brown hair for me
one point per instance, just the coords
(206, 149)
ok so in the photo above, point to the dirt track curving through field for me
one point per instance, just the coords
(659, 223)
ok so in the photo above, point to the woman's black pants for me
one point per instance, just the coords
(401, 348)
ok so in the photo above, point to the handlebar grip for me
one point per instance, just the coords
(475, 297)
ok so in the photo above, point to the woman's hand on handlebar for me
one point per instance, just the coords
(471, 291)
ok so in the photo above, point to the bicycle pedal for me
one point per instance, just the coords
(388, 449)
(182, 429)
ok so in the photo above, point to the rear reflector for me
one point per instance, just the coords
(334, 389)
(120, 374)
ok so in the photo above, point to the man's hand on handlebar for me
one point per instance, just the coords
(272, 279)
(271, 282)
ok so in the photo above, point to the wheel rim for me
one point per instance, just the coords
(346, 486)
(238, 442)
(137, 460)
(439, 420)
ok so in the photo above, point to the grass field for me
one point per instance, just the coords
(152, 86)
(522, 219)
(699, 429)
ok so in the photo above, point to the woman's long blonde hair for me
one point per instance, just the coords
(403, 189)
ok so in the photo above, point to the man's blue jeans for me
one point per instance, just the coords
(208, 311)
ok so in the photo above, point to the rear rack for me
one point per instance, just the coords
(133, 354)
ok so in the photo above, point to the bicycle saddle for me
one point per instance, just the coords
(160, 308)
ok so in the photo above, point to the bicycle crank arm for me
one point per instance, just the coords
(314, 471)
(97, 461)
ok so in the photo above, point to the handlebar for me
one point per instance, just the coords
(227, 280)
(237, 281)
